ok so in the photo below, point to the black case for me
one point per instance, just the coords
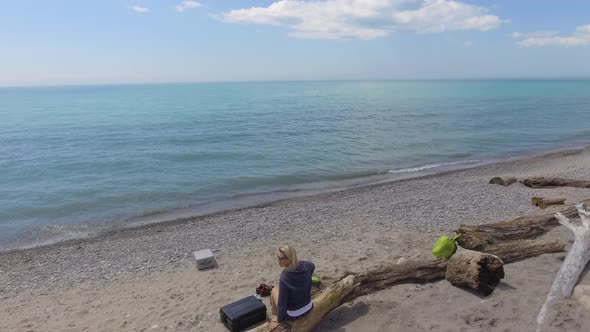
(242, 314)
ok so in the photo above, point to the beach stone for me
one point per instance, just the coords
(503, 181)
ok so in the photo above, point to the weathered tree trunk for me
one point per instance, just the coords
(353, 285)
(511, 251)
(544, 202)
(387, 276)
(476, 237)
(475, 270)
(503, 181)
(573, 264)
(543, 182)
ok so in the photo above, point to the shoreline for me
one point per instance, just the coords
(232, 205)
(138, 278)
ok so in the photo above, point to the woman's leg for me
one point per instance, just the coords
(274, 299)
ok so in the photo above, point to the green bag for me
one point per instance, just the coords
(445, 247)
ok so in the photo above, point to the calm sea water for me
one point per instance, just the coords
(77, 159)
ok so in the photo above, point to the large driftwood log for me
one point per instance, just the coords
(477, 237)
(503, 181)
(543, 182)
(544, 202)
(511, 251)
(353, 285)
(574, 262)
(475, 270)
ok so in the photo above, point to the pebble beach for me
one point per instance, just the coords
(145, 279)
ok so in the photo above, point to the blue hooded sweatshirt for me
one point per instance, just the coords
(294, 289)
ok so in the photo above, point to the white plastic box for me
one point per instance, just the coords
(205, 259)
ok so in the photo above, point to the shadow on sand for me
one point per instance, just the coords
(342, 316)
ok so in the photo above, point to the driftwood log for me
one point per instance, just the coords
(503, 180)
(511, 251)
(353, 285)
(475, 270)
(574, 263)
(543, 182)
(478, 237)
(544, 202)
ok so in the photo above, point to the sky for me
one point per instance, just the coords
(118, 41)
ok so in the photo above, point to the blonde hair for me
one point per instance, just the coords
(291, 255)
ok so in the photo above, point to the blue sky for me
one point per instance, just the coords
(118, 41)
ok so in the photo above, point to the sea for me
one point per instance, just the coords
(79, 160)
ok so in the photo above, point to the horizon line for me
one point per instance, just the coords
(296, 80)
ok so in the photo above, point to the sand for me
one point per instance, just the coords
(144, 279)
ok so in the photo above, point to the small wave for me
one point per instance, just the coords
(430, 166)
(460, 155)
(49, 234)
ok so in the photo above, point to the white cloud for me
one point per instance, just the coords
(442, 15)
(366, 19)
(186, 5)
(139, 9)
(580, 37)
(536, 34)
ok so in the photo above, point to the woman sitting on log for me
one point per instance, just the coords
(292, 298)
